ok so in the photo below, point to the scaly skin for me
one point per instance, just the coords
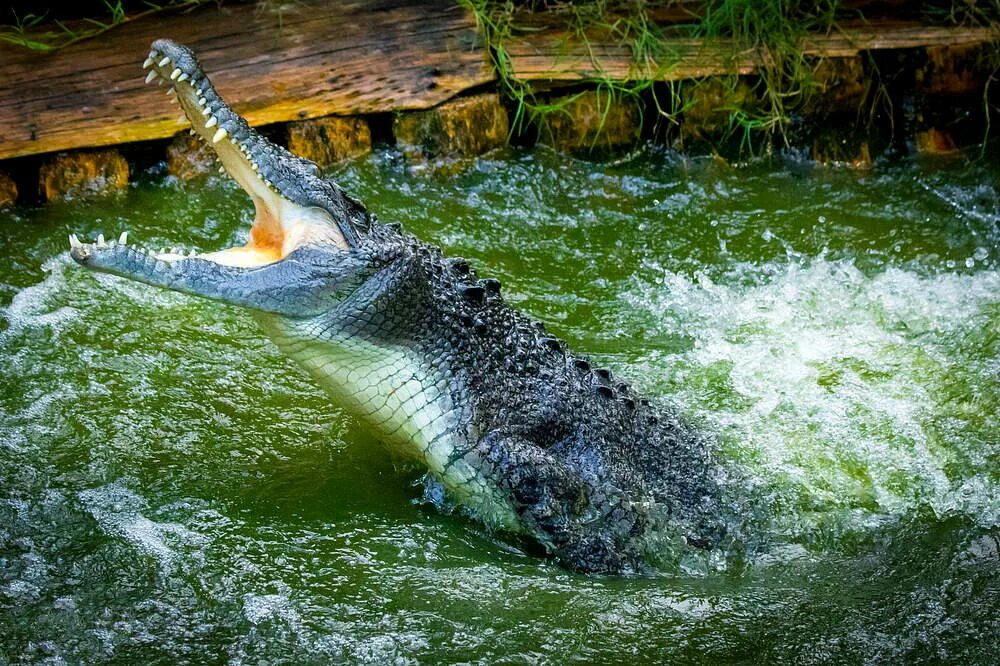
(525, 435)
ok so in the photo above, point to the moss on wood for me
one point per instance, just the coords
(188, 158)
(327, 141)
(593, 122)
(8, 190)
(462, 127)
(85, 173)
(934, 141)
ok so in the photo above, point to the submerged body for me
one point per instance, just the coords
(527, 436)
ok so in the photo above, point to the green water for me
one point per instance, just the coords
(173, 490)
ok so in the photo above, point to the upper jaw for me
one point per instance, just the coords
(286, 190)
(253, 161)
(282, 186)
(243, 152)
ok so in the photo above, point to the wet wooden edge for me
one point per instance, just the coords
(364, 57)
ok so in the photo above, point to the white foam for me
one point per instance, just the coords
(32, 305)
(833, 381)
(119, 513)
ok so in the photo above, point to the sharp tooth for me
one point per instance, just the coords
(123, 239)
(192, 132)
(100, 239)
(211, 122)
(192, 253)
(147, 63)
(206, 111)
(202, 101)
(182, 77)
(175, 74)
(220, 135)
(165, 61)
(171, 91)
(254, 166)
(222, 170)
(74, 241)
(152, 75)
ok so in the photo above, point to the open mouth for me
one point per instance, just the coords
(260, 167)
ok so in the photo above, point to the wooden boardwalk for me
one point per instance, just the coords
(335, 58)
(324, 58)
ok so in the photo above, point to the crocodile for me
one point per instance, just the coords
(514, 429)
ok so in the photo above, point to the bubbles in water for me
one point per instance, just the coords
(828, 385)
(119, 512)
(33, 306)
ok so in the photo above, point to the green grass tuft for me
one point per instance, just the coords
(783, 85)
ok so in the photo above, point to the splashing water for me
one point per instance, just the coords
(172, 489)
(844, 392)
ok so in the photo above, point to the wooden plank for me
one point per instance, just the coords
(329, 57)
(325, 58)
(851, 40)
(555, 57)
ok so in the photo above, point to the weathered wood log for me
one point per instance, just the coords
(329, 140)
(324, 58)
(554, 56)
(83, 173)
(593, 124)
(329, 58)
(464, 127)
(933, 141)
(8, 190)
(188, 157)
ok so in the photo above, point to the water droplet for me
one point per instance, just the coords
(980, 254)
(821, 219)
(970, 262)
